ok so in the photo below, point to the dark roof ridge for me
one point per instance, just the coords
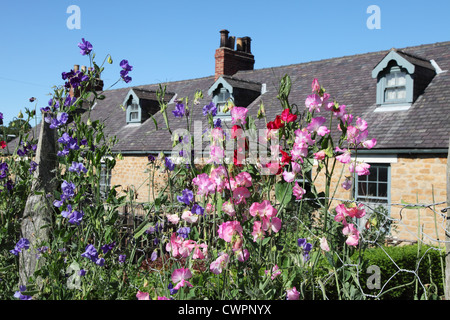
(346, 57)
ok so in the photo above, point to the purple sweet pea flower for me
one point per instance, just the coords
(198, 209)
(169, 164)
(85, 46)
(90, 253)
(77, 167)
(179, 110)
(210, 109)
(186, 197)
(19, 295)
(22, 244)
(305, 247)
(184, 232)
(122, 258)
(33, 166)
(125, 69)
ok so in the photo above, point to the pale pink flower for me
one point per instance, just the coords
(340, 111)
(362, 139)
(180, 277)
(238, 114)
(228, 229)
(219, 264)
(303, 136)
(324, 244)
(345, 157)
(173, 218)
(316, 126)
(298, 191)
(313, 102)
(274, 224)
(188, 216)
(216, 154)
(352, 234)
(288, 176)
(296, 168)
(174, 245)
(292, 294)
(361, 168)
(361, 124)
(217, 135)
(209, 208)
(219, 177)
(320, 155)
(228, 208)
(200, 251)
(242, 255)
(142, 295)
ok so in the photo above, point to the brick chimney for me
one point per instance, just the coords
(228, 60)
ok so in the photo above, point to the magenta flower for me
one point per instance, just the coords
(240, 194)
(239, 115)
(263, 210)
(313, 102)
(345, 157)
(361, 168)
(315, 86)
(142, 295)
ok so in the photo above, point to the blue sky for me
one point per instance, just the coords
(175, 40)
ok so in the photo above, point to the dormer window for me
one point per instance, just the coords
(133, 112)
(395, 87)
(240, 92)
(141, 104)
(401, 79)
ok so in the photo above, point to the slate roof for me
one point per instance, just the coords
(424, 126)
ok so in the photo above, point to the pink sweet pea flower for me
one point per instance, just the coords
(240, 194)
(200, 251)
(142, 295)
(217, 265)
(288, 176)
(263, 209)
(298, 191)
(296, 168)
(313, 102)
(228, 208)
(242, 255)
(162, 298)
(238, 114)
(257, 233)
(361, 168)
(275, 272)
(188, 216)
(320, 155)
(228, 229)
(173, 218)
(345, 157)
(243, 179)
(274, 224)
(324, 244)
(204, 184)
(292, 294)
(180, 276)
(352, 234)
(315, 86)
(316, 125)
(216, 154)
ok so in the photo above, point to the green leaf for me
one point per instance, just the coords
(283, 192)
(141, 229)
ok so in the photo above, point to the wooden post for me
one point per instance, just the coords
(447, 233)
(38, 209)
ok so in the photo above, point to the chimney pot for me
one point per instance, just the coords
(223, 37)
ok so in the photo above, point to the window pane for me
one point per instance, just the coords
(390, 79)
(382, 174)
(401, 79)
(134, 116)
(390, 94)
(382, 190)
(373, 174)
(362, 189)
(401, 93)
(372, 192)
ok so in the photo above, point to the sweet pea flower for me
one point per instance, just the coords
(239, 115)
(219, 264)
(242, 255)
(324, 244)
(243, 179)
(228, 208)
(292, 294)
(85, 46)
(187, 197)
(313, 102)
(288, 176)
(287, 116)
(315, 86)
(173, 218)
(320, 155)
(204, 184)
(179, 110)
(263, 209)
(347, 184)
(189, 217)
(274, 273)
(316, 125)
(361, 168)
(258, 232)
(352, 234)
(142, 295)
(298, 191)
(228, 229)
(345, 157)
(240, 194)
